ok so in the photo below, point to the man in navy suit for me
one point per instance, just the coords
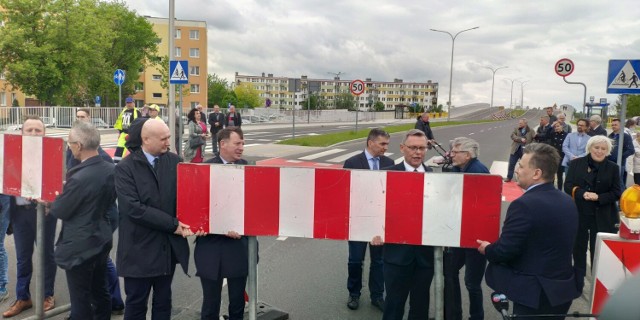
(223, 256)
(531, 261)
(408, 269)
(372, 158)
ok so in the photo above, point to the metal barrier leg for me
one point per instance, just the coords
(439, 281)
(39, 300)
(253, 278)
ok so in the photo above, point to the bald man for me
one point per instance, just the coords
(151, 239)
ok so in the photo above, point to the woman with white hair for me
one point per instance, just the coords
(594, 184)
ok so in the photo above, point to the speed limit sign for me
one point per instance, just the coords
(564, 67)
(357, 87)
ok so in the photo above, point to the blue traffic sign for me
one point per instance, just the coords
(178, 72)
(98, 99)
(118, 77)
(623, 77)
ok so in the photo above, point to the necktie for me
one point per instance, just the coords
(375, 163)
(156, 163)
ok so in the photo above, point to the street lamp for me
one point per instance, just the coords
(493, 78)
(511, 98)
(453, 42)
(522, 93)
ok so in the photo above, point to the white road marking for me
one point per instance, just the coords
(281, 238)
(471, 133)
(344, 157)
(253, 144)
(399, 160)
(500, 168)
(321, 154)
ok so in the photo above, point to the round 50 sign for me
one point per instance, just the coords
(357, 87)
(564, 67)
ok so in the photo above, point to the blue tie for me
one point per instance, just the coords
(375, 163)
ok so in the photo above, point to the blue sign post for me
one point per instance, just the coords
(118, 79)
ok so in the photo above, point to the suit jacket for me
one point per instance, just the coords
(543, 134)
(213, 118)
(516, 138)
(218, 255)
(237, 121)
(359, 161)
(425, 127)
(607, 186)
(598, 131)
(83, 207)
(406, 254)
(534, 251)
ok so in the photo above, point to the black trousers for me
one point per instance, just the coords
(138, 290)
(88, 286)
(560, 177)
(212, 295)
(544, 308)
(400, 281)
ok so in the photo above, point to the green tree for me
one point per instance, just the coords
(633, 106)
(247, 96)
(315, 102)
(345, 101)
(229, 98)
(217, 89)
(378, 106)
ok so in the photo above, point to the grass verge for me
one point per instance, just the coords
(330, 139)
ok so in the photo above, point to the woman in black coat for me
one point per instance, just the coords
(594, 183)
(556, 140)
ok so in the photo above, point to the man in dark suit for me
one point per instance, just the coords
(531, 261)
(544, 131)
(85, 239)
(23, 220)
(216, 121)
(594, 126)
(223, 256)
(408, 269)
(372, 158)
(151, 240)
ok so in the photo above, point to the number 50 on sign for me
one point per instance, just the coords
(564, 67)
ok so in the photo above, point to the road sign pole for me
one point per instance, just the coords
(623, 112)
(584, 97)
(120, 96)
(172, 88)
(293, 116)
(357, 109)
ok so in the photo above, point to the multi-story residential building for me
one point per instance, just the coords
(10, 95)
(287, 93)
(190, 44)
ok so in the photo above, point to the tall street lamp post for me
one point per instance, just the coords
(522, 83)
(493, 80)
(511, 98)
(453, 42)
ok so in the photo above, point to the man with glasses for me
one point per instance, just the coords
(464, 155)
(408, 269)
(372, 158)
(575, 144)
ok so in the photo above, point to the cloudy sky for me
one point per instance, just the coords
(383, 40)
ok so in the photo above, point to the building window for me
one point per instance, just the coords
(194, 104)
(194, 70)
(2, 76)
(178, 33)
(194, 34)
(14, 97)
(178, 51)
(195, 88)
(3, 99)
(194, 52)
(139, 86)
(157, 95)
(156, 77)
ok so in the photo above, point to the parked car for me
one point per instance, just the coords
(99, 123)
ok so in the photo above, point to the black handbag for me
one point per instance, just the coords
(196, 142)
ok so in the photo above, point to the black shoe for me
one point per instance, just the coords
(378, 303)
(354, 302)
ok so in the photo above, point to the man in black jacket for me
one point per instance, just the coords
(216, 121)
(372, 158)
(408, 269)
(85, 239)
(423, 125)
(544, 131)
(151, 239)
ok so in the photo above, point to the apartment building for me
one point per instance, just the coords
(287, 93)
(190, 45)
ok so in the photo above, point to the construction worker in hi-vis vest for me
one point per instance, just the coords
(126, 117)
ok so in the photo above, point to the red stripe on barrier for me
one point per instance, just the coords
(403, 220)
(52, 167)
(331, 204)
(261, 201)
(194, 196)
(480, 210)
(627, 252)
(600, 297)
(12, 165)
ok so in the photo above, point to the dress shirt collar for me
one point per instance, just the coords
(408, 167)
(149, 157)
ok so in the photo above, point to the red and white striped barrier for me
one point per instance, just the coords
(31, 167)
(615, 261)
(439, 209)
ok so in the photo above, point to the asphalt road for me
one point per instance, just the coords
(307, 278)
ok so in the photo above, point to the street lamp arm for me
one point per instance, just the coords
(464, 31)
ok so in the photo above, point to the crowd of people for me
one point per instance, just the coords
(539, 258)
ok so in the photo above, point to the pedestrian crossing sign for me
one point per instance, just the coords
(178, 72)
(623, 77)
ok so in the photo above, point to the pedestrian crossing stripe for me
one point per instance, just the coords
(623, 77)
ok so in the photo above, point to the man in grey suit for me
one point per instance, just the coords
(372, 158)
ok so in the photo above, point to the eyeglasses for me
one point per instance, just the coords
(416, 148)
